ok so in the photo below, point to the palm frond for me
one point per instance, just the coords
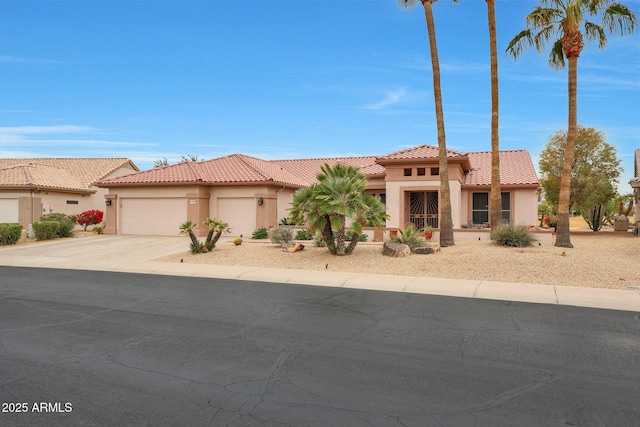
(619, 19)
(556, 56)
(595, 32)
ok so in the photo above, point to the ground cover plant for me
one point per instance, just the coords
(260, 233)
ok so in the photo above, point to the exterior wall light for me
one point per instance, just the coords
(260, 201)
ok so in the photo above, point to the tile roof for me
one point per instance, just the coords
(520, 170)
(242, 169)
(87, 171)
(237, 169)
(424, 151)
(40, 176)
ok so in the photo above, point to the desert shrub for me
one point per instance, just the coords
(304, 235)
(98, 229)
(90, 217)
(67, 223)
(10, 233)
(260, 233)
(46, 230)
(196, 249)
(410, 236)
(349, 235)
(513, 235)
(237, 241)
(282, 236)
(318, 240)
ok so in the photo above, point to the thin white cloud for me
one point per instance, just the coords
(60, 136)
(391, 97)
(26, 60)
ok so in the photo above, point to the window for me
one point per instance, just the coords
(480, 208)
(506, 207)
(407, 172)
(421, 171)
(435, 171)
(383, 198)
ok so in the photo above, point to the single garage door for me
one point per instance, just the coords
(153, 216)
(9, 210)
(240, 213)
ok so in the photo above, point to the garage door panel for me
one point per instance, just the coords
(152, 216)
(9, 210)
(240, 213)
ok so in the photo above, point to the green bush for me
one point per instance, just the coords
(46, 230)
(349, 235)
(10, 233)
(260, 233)
(318, 240)
(411, 237)
(282, 236)
(513, 235)
(98, 229)
(304, 235)
(67, 223)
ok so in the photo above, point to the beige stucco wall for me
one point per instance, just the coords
(524, 206)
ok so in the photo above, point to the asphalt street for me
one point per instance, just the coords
(115, 349)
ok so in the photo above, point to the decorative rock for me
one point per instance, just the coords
(426, 250)
(395, 249)
(294, 248)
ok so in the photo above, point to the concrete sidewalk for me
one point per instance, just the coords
(133, 254)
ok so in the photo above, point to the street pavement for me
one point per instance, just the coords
(96, 348)
(134, 254)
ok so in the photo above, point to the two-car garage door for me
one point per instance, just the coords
(163, 215)
(152, 216)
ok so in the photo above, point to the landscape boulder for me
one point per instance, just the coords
(294, 248)
(426, 250)
(395, 249)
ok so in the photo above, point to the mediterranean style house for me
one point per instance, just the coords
(30, 188)
(251, 193)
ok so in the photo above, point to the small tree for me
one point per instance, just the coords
(90, 217)
(218, 227)
(187, 227)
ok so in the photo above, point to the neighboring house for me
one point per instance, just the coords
(251, 193)
(30, 188)
(635, 184)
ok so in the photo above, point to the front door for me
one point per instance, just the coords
(423, 209)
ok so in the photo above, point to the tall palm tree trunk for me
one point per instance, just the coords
(572, 45)
(563, 236)
(496, 196)
(446, 222)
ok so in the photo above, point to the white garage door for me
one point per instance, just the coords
(9, 210)
(153, 217)
(240, 213)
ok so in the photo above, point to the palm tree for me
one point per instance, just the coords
(496, 196)
(187, 227)
(215, 226)
(337, 196)
(568, 20)
(446, 221)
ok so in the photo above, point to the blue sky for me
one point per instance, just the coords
(288, 79)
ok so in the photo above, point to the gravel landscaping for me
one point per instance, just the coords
(598, 260)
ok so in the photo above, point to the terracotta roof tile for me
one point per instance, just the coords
(86, 170)
(239, 168)
(40, 176)
(424, 151)
(520, 169)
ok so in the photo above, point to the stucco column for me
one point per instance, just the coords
(266, 210)
(198, 212)
(111, 213)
